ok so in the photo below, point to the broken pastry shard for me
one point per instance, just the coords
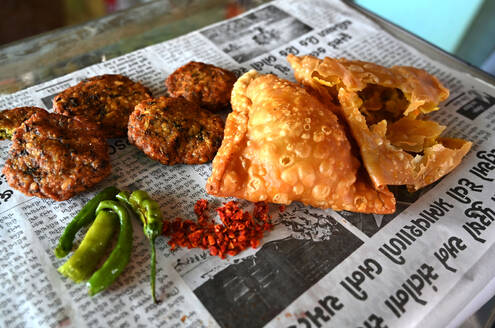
(382, 107)
(409, 91)
(281, 144)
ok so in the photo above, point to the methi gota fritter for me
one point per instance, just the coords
(282, 144)
(11, 119)
(384, 109)
(107, 100)
(54, 156)
(174, 131)
(337, 140)
(205, 85)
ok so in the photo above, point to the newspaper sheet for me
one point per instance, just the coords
(417, 267)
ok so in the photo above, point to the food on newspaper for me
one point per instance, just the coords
(11, 119)
(103, 214)
(203, 84)
(119, 257)
(107, 100)
(82, 264)
(175, 130)
(239, 229)
(85, 217)
(384, 108)
(282, 144)
(54, 156)
(148, 210)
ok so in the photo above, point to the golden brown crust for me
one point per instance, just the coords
(282, 145)
(422, 90)
(54, 156)
(381, 106)
(11, 119)
(107, 100)
(203, 84)
(413, 135)
(174, 130)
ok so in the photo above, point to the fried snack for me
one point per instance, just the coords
(11, 119)
(107, 100)
(281, 145)
(174, 130)
(203, 84)
(54, 156)
(383, 106)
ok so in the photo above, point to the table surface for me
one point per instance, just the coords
(44, 57)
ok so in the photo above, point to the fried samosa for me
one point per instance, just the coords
(384, 109)
(281, 144)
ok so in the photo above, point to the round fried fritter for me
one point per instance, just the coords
(107, 100)
(54, 156)
(174, 130)
(11, 119)
(203, 84)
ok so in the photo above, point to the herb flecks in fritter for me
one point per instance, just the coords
(11, 119)
(174, 131)
(107, 100)
(54, 156)
(203, 84)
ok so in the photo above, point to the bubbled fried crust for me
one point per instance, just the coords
(203, 84)
(282, 144)
(107, 100)
(11, 119)
(174, 131)
(400, 150)
(54, 156)
(423, 91)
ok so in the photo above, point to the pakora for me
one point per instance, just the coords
(54, 156)
(11, 119)
(203, 84)
(107, 100)
(174, 131)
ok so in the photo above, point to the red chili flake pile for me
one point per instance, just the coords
(238, 231)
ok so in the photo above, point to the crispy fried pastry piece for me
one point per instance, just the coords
(395, 91)
(413, 135)
(381, 107)
(281, 145)
(107, 100)
(11, 119)
(174, 130)
(203, 84)
(54, 156)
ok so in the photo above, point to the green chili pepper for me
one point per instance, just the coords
(120, 255)
(83, 262)
(149, 212)
(85, 216)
